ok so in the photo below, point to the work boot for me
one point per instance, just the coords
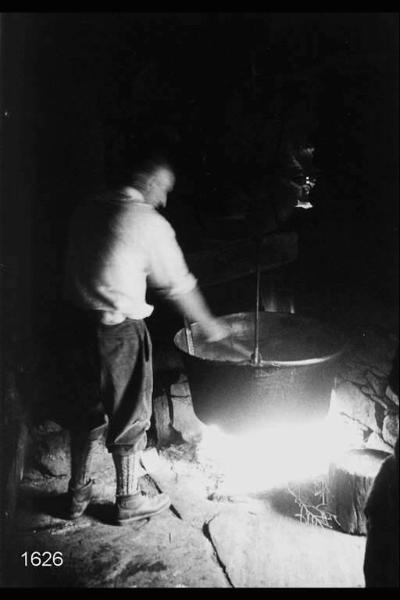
(79, 499)
(138, 506)
(80, 485)
(131, 504)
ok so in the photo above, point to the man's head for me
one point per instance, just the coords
(158, 185)
(154, 179)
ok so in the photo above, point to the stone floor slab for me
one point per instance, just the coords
(262, 548)
(162, 552)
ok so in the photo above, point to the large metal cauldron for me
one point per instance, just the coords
(291, 384)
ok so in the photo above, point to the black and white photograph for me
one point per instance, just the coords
(199, 300)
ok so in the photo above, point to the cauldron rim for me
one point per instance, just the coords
(265, 363)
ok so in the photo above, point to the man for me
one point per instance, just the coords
(119, 244)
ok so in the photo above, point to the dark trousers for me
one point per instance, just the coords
(108, 379)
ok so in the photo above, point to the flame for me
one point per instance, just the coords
(272, 457)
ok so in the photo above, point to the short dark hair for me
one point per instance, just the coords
(144, 169)
(135, 171)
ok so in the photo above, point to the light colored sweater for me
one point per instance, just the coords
(118, 245)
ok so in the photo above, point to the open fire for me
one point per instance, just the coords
(273, 456)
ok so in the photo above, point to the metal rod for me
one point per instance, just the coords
(256, 354)
(189, 338)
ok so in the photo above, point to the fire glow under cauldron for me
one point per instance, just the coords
(292, 383)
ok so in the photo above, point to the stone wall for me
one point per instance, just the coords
(362, 394)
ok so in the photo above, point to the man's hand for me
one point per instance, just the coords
(195, 309)
(216, 330)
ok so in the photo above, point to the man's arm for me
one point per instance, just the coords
(170, 276)
(193, 306)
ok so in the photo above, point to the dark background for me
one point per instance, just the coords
(215, 91)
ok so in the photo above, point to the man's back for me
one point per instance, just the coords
(117, 243)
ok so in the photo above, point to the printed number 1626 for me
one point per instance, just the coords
(43, 559)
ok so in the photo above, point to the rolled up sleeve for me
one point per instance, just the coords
(168, 272)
